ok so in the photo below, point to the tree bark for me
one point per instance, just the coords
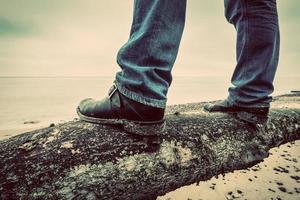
(78, 160)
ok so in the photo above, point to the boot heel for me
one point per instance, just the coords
(144, 128)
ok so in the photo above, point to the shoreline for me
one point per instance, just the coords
(8, 133)
(30, 125)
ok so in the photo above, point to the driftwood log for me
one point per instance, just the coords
(78, 160)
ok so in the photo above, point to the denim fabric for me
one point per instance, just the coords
(256, 23)
(148, 56)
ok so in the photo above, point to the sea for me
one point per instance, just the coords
(33, 102)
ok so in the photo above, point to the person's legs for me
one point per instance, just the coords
(148, 56)
(137, 100)
(256, 23)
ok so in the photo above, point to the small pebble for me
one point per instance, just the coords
(279, 183)
(271, 190)
(212, 187)
(281, 169)
(297, 178)
(282, 189)
(31, 122)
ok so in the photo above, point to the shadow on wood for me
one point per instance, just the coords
(78, 160)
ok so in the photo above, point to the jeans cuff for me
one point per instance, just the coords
(141, 99)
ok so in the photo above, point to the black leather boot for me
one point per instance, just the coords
(134, 117)
(253, 115)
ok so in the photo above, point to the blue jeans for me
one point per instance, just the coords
(148, 56)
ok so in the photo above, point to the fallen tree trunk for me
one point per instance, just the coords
(78, 160)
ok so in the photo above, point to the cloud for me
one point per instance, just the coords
(12, 28)
(82, 37)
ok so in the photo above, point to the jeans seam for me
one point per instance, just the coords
(247, 34)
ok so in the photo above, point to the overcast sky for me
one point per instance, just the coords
(82, 37)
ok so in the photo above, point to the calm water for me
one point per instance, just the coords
(48, 100)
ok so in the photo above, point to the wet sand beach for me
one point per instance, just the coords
(276, 178)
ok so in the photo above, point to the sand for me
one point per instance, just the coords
(277, 177)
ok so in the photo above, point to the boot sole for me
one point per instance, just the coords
(148, 128)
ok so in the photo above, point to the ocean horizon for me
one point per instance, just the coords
(31, 101)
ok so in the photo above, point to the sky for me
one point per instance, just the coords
(82, 38)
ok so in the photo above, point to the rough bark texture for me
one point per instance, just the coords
(78, 160)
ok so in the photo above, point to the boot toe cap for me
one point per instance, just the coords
(85, 106)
